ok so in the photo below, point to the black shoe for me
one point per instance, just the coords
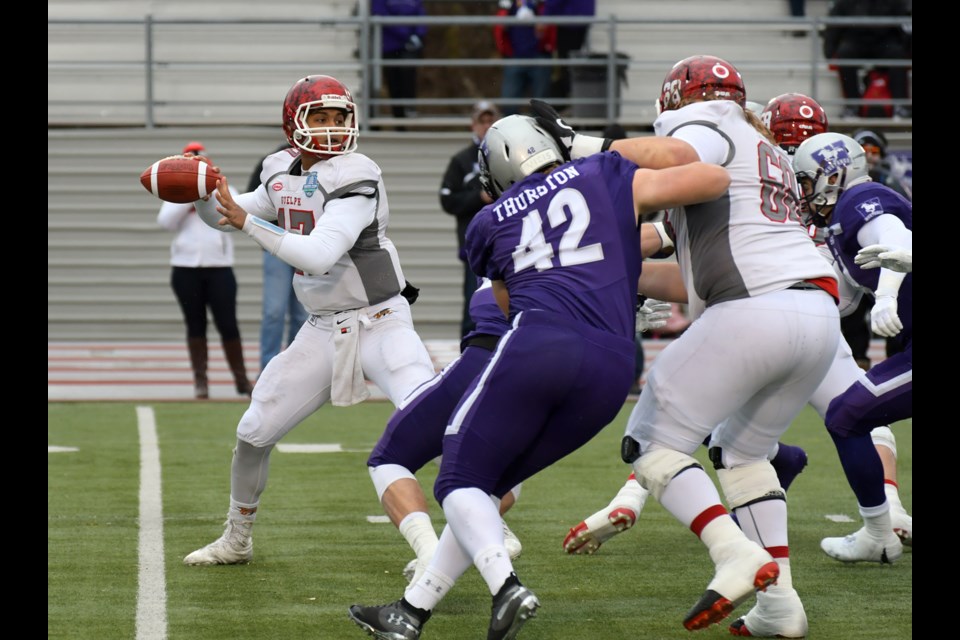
(513, 605)
(394, 621)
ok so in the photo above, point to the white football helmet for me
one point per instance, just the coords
(513, 148)
(826, 164)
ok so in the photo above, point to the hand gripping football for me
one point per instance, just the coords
(180, 179)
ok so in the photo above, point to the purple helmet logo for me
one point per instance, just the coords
(832, 157)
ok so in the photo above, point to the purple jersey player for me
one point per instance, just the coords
(562, 247)
(857, 213)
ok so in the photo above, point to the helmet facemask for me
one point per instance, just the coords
(325, 141)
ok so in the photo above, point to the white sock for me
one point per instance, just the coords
(893, 497)
(240, 512)
(417, 529)
(876, 520)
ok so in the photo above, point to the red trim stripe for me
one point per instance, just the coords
(779, 552)
(707, 516)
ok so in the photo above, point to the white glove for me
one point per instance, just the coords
(885, 256)
(884, 320)
(653, 314)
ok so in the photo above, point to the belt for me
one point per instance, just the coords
(483, 340)
(804, 286)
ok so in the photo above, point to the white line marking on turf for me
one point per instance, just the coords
(838, 517)
(55, 449)
(378, 519)
(309, 448)
(152, 588)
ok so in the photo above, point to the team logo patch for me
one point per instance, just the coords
(383, 313)
(870, 208)
(832, 157)
(312, 183)
(277, 186)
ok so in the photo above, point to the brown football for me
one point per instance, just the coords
(179, 179)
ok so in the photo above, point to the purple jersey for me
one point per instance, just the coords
(855, 207)
(486, 313)
(566, 241)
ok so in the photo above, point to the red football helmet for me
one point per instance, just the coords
(794, 117)
(320, 92)
(700, 76)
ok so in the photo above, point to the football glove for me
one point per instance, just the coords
(573, 145)
(884, 320)
(652, 314)
(885, 256)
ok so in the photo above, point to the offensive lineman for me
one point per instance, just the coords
(751, 275)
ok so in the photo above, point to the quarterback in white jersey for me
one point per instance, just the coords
(323, 209)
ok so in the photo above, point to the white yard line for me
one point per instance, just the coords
(152, 586)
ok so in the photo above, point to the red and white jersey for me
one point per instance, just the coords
(751, 241)
(368, 272)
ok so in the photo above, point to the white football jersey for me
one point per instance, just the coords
(369, 271)
(750, 241)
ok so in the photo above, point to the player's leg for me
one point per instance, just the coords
(886, 445)
(294, 385)
(885, 393)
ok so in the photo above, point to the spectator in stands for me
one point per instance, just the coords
(401, 42)
(798, 9)
(522, 40)
(280, 308)
(570, 37)
(860, 41)
(875, 144)
(202, 277)
(462, 196)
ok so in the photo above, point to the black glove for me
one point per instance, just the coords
(410, 292)
(548, 119)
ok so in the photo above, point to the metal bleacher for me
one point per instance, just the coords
(125, 89)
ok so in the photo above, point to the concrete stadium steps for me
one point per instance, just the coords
(108, 262)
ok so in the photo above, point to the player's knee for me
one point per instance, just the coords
(655, 469)
(749, 483)
(385, 475)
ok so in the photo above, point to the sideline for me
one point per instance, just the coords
(152, 585)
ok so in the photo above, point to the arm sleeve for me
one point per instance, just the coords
(171, 215)
(885, 229)
(337, 230)
(709, 144)
(255, 203)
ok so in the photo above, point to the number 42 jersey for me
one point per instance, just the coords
(566, 241)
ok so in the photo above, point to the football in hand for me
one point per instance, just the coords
(180, 179)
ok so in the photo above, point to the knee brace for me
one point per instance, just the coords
(750, 483)
(655, 469)
(386, 474)
(884, 436)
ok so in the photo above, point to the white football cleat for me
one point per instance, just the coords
(511, 542)
(902, 526)
(742, 568)
(616, 517)
(777, 614)
(860, 546)
(235, 546)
